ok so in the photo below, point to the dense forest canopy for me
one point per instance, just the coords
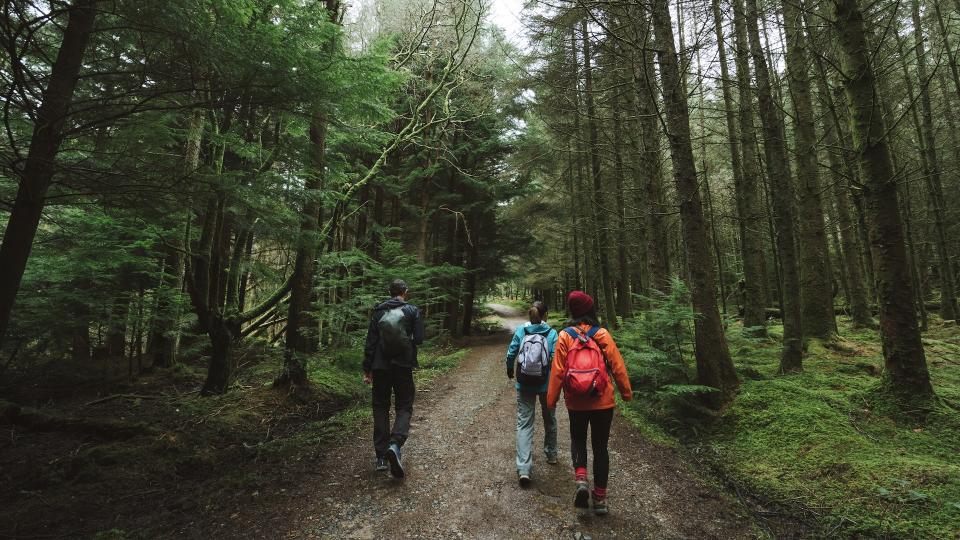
(187, 175)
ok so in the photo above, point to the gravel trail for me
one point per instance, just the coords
(461, 481)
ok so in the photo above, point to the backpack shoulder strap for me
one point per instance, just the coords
(573, 333)
(603, 349)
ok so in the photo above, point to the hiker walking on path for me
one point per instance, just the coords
(390, 355)
(585, 358)
(529, 358)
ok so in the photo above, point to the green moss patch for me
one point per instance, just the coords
(828, 441)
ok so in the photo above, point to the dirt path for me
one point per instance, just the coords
(461, 480)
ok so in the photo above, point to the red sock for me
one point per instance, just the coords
(580, 474)
(600, 492)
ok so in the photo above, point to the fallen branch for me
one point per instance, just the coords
(118, 396)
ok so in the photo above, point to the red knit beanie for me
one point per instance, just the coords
(580, 303)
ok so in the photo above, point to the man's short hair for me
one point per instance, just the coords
(398, 287)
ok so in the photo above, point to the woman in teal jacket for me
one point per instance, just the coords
(540, 334)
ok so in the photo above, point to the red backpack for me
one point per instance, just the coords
(586, 365)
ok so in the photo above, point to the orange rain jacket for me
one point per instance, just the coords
(614, 364)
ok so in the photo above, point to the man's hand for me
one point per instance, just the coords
(367, 377)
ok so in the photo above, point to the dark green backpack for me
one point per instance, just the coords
(393, 332)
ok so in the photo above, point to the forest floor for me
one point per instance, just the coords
(255, 463)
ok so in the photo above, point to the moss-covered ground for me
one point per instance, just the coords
(826, 445)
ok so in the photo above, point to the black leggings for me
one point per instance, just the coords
(599, 422)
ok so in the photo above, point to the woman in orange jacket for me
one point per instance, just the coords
(593, 409)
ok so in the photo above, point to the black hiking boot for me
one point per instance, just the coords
(382, 464)
(581, 498)
(393, 456)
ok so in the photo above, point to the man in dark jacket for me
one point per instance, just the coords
(390, 355)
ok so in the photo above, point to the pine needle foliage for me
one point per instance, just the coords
(658, 349)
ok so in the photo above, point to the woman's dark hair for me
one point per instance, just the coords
(590, 318)
(542, 308)
(534, 315)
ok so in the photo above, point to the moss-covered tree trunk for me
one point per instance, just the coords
(906, 366)
(714, 366)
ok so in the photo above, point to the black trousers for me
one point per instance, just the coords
(399, 382)
(599, 423)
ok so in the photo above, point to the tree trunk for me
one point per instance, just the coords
(906, 366)
(650, 172)
(470, 287)
(816, 284)
(41, 158)
(714, 366)
(948, 295)
(301, 331)
(849, 239)
(608, 304)
(163, 339)
(749, 208)
(624, 301)
(781, 195)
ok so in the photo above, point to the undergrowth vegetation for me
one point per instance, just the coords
(206, 456)
(824, 445)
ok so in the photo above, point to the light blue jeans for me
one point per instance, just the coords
(526, 405)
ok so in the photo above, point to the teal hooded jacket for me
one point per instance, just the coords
(514, 350)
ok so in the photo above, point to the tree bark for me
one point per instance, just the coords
(781, 195)
(300, 331)
(649, 175)
(624, 301)
(608, 304)
(948, 295)
(748, 203)
(714, 366)
(41, 157)
(816, 284)
(906, 366)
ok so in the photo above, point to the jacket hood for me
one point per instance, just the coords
(391, 304)
(541, 328)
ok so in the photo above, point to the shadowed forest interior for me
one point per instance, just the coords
(203, 200)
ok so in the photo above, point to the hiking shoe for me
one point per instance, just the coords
(382, 464)
(599, 504)
(525, 480)
(581, 497)
(393, 456)
(552, 459)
